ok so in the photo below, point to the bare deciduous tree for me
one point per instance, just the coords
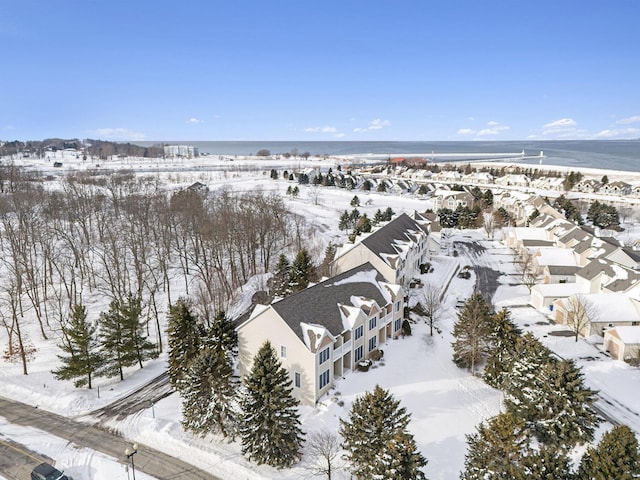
(323, 449)
(431, 301)
(489, 223)
(528, 269)
(580, 314)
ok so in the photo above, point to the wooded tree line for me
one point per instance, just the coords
(548, 409)
(119, 234)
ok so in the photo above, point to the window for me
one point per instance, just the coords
(397, 325)
(283, 351)
(372, 343)
(324, 379)
(297, 379)
(359, 332)
(372, 322)
(358, 354)
(398, 306)
(324, 355)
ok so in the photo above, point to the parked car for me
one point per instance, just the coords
(44, 471)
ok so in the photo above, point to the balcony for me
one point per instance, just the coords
(340, 351)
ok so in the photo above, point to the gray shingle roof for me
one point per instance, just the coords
(383, 240)
(319, 304)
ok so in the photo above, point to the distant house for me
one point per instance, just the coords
(451, 199)
(513, 180)
(396, 250)
(622, 343)
(604, 311)
(180, 151)
(322, 332)
(544, 295)
(587, 185)
(616, 188)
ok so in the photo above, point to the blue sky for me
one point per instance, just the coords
(319, 70)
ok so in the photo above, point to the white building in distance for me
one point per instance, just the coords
(184, 151)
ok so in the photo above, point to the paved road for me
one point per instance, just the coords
(148, 460)
(486, 277)
(17, 461)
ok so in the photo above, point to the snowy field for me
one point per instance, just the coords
(445, 402)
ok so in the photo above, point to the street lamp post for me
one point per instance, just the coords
(130, 453)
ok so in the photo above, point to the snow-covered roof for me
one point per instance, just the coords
(629, 334)
(553, 256)
(560, 290)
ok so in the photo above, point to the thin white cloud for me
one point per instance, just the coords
(619, 133)
(488, 132)
(471, 119)
(194, 121)
(376, 124)
(561, 123)
(466, 131)
(119, 134)
(339, 135)
(493, 123)
(325, 129)
(628, 120)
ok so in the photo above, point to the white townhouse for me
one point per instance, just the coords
(322, 332)
(396, 250)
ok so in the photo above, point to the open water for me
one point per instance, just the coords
(604, 154)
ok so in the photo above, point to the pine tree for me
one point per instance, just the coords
(497, 449)
(131, 314)
(270, 425)
(301, 270)
(83, 348)
(564, 412)
(376, 439)
(521, 383)
(121, 337)
(378, 217)
(471, 332)
(209, 395)
(345, 221)
(355, 201)
(502, 343)
(547, 463)
(616, 456)
(184, 332)
(282, 276)
(388, 214)
(222, 335)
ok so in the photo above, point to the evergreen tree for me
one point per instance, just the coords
(121, 337)
(497, 449)
(471, 332)
(301, 271)
(378, 217)
(547, 463)
(422, 190)
(605, 180)
(355, 201)
(376, 439)
(222, 336)
(185, 333)
(616, 456)
(521, 382)
(388, 214)
(209, 394)
(364, 224)
(345, 221)
(83, 348)
(366, 185)
(281, 277)
(565, 416)
(270, 425)
(502, 344)
(382, 186)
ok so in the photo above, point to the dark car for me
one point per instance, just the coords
(44, 471)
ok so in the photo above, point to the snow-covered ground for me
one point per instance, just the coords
(445, 402)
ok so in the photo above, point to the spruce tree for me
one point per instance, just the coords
(82, 345)
(222, 335)
(270, 425)
(471, 332)
(209, 395)
(547, 463)
(121, 337)
(502, 343)
(184, 332)
(131, 314)
(616, 456)
(564, 409)
(522, 383)
(281, 277)
(301, 270)
(497, 449)
(376, 439)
